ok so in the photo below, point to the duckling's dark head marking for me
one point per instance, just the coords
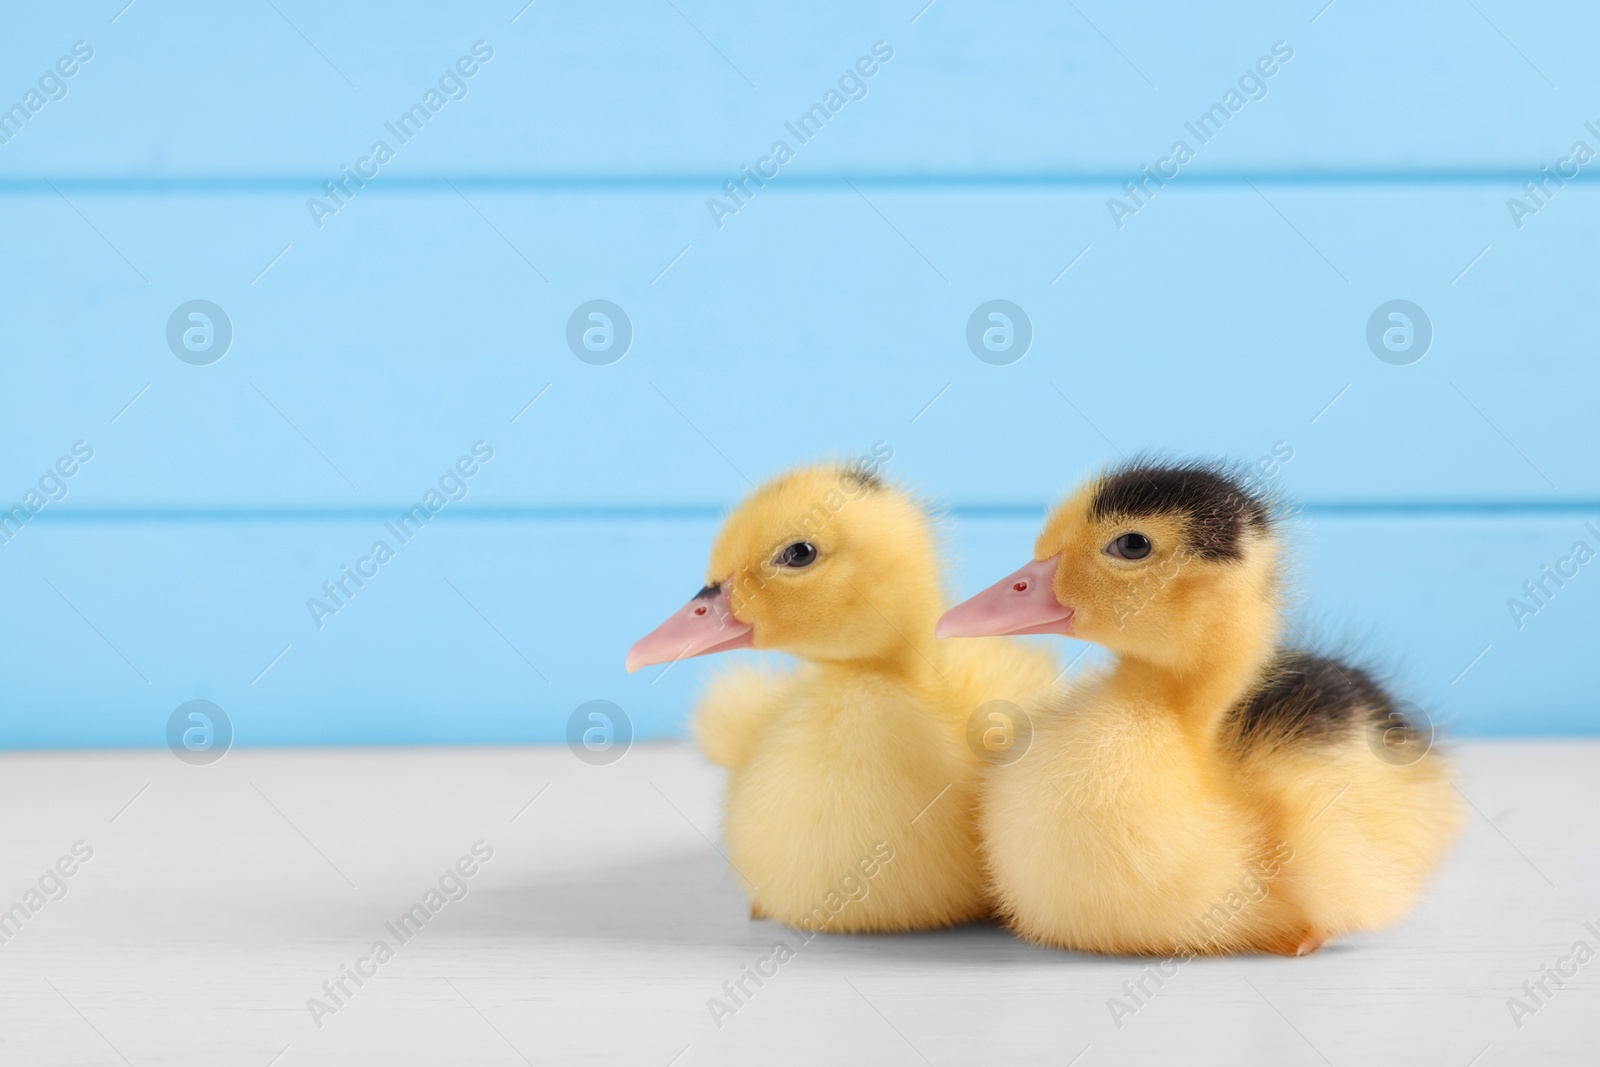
(1217, 505)
(863, 476)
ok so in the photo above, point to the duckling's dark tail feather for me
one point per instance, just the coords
(1304, 698)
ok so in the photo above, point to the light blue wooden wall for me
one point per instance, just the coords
(1227, 315)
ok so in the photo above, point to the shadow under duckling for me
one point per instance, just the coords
(1214, 791)
(852, 793)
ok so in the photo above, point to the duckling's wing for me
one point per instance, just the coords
(737, 706)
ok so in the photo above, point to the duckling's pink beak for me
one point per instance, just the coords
(1020, 603)
(705, 625)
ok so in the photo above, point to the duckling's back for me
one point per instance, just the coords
(1351, 783)
(1307, 699)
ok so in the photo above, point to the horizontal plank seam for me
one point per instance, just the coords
(448, 185)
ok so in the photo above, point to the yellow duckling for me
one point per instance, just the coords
(1214, 791)
(852, 795)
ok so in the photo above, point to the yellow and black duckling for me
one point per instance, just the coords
(1214, 791)
(852, 795)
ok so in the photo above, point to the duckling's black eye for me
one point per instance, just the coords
(799, 554)
(1129, 546)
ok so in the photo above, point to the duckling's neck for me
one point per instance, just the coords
(1199, 690)
(909, 663)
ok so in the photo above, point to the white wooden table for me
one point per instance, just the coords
(219, 899)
